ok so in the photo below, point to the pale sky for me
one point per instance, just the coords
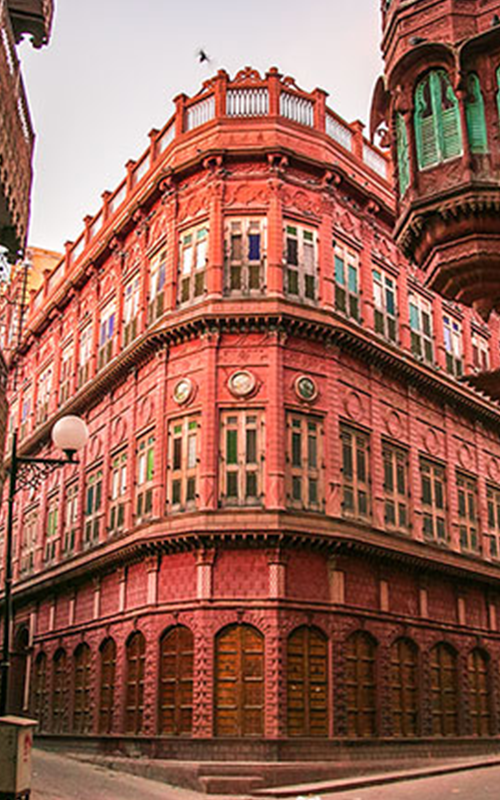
(113, 66)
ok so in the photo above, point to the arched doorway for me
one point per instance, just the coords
(18, 672)
(82, 716)
(404, 688)
(40, 691)
(59, 692)
(134, 688)
(307, 682)
(444, 690)
(107, 654)
(360, 655)
(239, 682)
(479, 692)
(176, 682)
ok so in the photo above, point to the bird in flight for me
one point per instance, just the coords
(203, 57)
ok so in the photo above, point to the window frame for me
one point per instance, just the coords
(346, 278)
(157, 284)
(432, 512)
(398, 458)
(352, 484)
(107, 333)
(251, 272)
(421, 337)
(453, 345)
(118, 474)
(145, 468)
(385, 322)
(192, 277)
(300, 472)
(304, 273)
(94, 507)
(182, 466)
(237, 474)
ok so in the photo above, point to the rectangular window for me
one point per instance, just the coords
(145, 474)
(43, 395)
(66, 372)
(245, 256)
(346, 274)
(384, 298)
(183, 463)
(85, 354)
(434, 522)
(157, 277)
(28, 542)
(467, 513)
(452, 331)
(493, 497)
(192, 264)
(118, 492)
(25, 414)
(305, 462)
(93, 508)
(396, 488)
(241, 456)
(51, 530)
(480, 353)
(301, 262)
(355, 473)
(421, 328)
(131, 296)
(106, 334)
(70, 519)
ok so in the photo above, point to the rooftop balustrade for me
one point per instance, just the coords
(223, 100)
(16, 142)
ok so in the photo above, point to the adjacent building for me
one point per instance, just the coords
(284, 533)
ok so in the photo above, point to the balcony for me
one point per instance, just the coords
(16, 143)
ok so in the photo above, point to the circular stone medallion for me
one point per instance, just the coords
(183, 390)
(241, 383)
(305, 388)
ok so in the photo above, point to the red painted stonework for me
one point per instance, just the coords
(237, 508)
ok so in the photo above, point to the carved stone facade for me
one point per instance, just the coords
(281, 446)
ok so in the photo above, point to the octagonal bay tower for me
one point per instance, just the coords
(283, 537)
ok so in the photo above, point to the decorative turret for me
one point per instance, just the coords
(439, 101)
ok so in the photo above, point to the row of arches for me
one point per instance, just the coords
(239, 686)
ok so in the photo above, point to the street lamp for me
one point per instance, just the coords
(69, 434)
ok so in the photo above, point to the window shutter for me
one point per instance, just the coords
(474, 109)
(425, 129)
(403, 154)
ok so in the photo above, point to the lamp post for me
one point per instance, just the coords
(69, 434)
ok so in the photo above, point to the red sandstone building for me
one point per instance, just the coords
(284, 533)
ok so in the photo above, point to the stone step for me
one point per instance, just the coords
(230, 784)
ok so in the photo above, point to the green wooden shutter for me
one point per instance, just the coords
(403, 155)
(476, 122)
(448, 115)
(425, 126)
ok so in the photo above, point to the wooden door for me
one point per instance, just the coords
(479, 696)
(360, 653)
(404, 688)
(107, 685)
(40, 698)
(134, 690)
(176, 682)
(444, 688)
(239, 682)
(81, 689)
(307, 682)
(59, 693)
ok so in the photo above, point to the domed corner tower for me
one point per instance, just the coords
(440, 100)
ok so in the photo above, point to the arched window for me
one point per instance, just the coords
(403, 154)
(59, 692)
(107, 654)
(404, 688)
(81, 689)
(360, 655)
(176, 681)
(134, 691)
(239, 682)
(474, 111)
(437, 120)
(444, 689)
(307, 682)
(17, 675)
(39, 695)
(479, 695)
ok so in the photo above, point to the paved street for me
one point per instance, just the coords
(478, 784)
(59, 778)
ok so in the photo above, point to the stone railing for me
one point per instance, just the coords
(248, 95)
(16, 138)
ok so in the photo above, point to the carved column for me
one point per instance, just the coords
(275, 492)
(275, 239)
(209, 422)
(215, 266)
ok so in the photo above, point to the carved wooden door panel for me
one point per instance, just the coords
(479, 697)
(107, 685)
(404, 688)
(444, 688)
(307, 683)
(134, 690)
(360, 651)
(40, 698)
(176, 682)
(59, 693)
(239, 682)
(81, 690)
